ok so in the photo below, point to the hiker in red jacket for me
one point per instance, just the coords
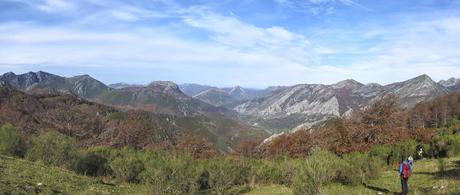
(404, 171)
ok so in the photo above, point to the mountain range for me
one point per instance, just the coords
(93, 124)
(274, 109)
(162, 97)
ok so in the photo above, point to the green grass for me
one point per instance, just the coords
(19, 176)
(425, 180)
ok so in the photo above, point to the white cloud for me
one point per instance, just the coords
(56, 5)
(320, 7)
(236, 52)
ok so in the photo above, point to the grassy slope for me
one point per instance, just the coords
(19, 176)
(424, 180)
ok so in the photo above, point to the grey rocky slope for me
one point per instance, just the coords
(452, 84)
(290, 107)
(191, 89)
(160, 97)
(216, 96)
(236, 92)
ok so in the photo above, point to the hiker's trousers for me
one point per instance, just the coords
(404, 186)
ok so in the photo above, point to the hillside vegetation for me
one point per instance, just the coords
(426, 179)
(92, 124)
(23, 177)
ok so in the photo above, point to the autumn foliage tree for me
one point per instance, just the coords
(383, 122)
(248, 149)
(196, 146)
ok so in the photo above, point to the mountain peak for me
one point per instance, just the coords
(423, 77)
(164, 83)
(349, 83)
(165, 86)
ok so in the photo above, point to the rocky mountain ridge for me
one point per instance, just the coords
(452, 83)
(162, 97)
(279, 108)
(307, 103)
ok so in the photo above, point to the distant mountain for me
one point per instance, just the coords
(191, 89)
(241, 93)
(42, 82)
(278, 108)
(93, 124)
(215, 96)
(123, 85)
(418, 89)
(237, 92)
(304, 104)
(160, 97)
(225, 97)
(452, 84)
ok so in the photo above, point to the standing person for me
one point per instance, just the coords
(411, 163)
(404, 170)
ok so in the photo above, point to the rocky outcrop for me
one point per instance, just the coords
(452, 84)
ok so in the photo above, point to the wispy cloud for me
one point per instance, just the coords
(320, 7)
(166, 40)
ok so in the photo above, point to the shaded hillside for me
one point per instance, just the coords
(95, 124)
(159, 97)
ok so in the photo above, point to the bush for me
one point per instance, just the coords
(319, 169)
(358, 168)
(127, 166)
(269, 172)
(453, 147)
(168, 174)
(92, 164)
(402, 150)
(53, 148)
(441, 166)
(10, 141)
(445, 145)
(381, 152)
(225, 173)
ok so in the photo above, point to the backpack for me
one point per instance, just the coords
(405, 171)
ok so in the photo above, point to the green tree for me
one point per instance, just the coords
(10, 140)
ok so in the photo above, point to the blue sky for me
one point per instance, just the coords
(253, 43)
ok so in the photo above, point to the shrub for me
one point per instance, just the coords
(10, 141)
(441, 166)
(381, 152)
(358, 168)
(225, 173)
(312, 174)
(269, 172)
(53, 148)
(168, 174)
(127, 166)
(92, 164)
(445, 145)
(402, 150)
(453, 147)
